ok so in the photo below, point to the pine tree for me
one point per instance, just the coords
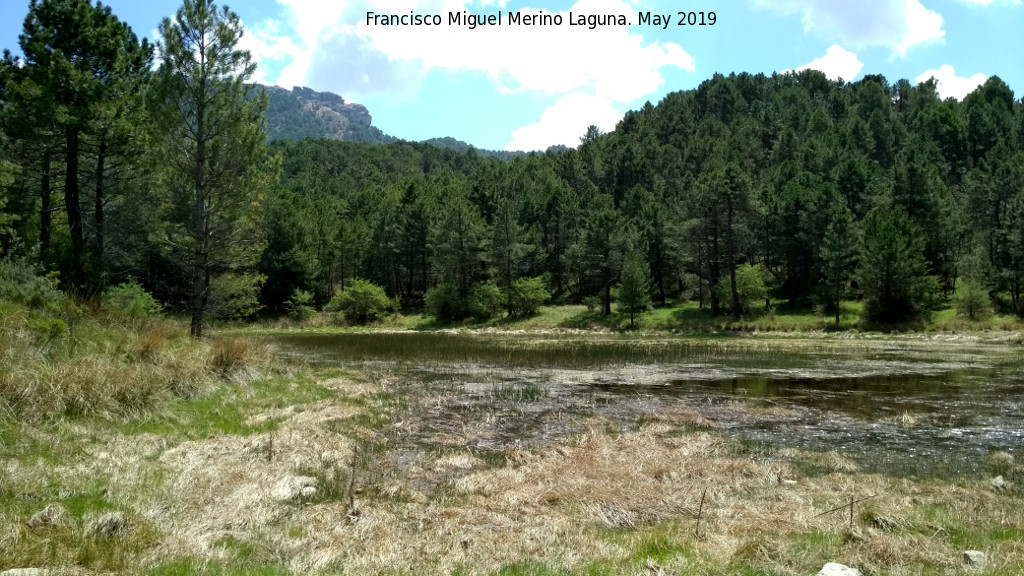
(215, 165)
(893, 273)
(634, 287)
(838, 255)
(83, 70)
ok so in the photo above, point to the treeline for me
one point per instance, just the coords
(748, 192)
(787, 187)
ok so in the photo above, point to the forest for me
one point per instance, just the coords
(749, 193)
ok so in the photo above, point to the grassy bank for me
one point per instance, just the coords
(686, 318)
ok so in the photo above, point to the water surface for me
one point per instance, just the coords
(903, 407)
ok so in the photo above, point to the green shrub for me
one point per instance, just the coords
(236, 296)
(131, 300)
(444, 302)
(749, 287)
(593, 303)
(972, 300)
(21, 283)
(362, 302)
(300, 305)
(527, 294)
(485, 301)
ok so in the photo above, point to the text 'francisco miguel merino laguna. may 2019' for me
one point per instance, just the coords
(539, 18)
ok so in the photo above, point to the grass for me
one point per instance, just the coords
(187, 440)
(686, 317)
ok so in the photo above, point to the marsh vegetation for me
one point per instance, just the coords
(479, 453)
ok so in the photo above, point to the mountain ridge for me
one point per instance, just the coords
(302, 112)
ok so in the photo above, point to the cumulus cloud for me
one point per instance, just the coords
(565, 122)
(337, 50)
(837, 63)
(949, 84)
(895, 24)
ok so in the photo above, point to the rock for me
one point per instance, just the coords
(998, 483)
(833, 569)
(293, 487)
(53, 515)
(975, 558)
(109, 525)
(25, 572)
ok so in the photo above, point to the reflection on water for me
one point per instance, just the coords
(895, 409)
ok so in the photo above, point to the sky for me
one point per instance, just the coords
(520, 87)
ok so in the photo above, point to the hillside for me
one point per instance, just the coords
(302, 113)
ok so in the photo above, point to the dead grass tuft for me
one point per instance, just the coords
(235, 359)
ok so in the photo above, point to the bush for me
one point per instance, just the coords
(485, 301)
(21, 283)
(593, 303)
(749, 287)
(236, 296)
(362, 302)
(131, 300)
(527, 294)
(300, 305)
(444, 303)
(972, 301)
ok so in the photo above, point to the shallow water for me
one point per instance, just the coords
(908, 408)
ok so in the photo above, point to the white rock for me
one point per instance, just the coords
(998, 483)
(292, 487)
(25, 572)
(975, 558)
(833, 569)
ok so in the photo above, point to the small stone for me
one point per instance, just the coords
(292, 487)
(834, 569)
(109, 525)
(308, 492)
(975, 558)
(53, 515)
(998, 483)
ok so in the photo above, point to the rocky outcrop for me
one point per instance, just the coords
(305, 113)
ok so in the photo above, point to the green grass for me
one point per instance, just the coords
(686, 317)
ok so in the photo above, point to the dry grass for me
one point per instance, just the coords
(110, 370)
(605, 502)
(620, 500)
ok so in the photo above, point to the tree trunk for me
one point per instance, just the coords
(731, 254)
(45, 208)
(99, 218)
(607, 299)
(201, 261)
(72, 204)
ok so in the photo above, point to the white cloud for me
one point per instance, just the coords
(949, 84)
(895, 24)
(837, 63)
(336, 50)
(565, 122)
(609, 61)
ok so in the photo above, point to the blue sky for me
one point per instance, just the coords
(530, 87)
